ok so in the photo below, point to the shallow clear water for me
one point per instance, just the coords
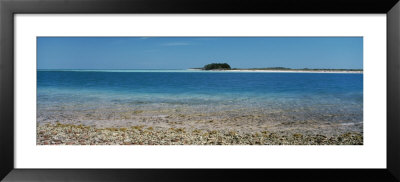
(311, 94)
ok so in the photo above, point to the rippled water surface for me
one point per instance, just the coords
(301, 95)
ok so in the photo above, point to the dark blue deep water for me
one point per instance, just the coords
(206, 91)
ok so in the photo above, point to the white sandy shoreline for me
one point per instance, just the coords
(284, 71)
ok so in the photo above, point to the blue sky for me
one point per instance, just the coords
(190, 52)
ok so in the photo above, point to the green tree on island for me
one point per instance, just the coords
(217, 66)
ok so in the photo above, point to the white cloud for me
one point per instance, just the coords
(176, 44)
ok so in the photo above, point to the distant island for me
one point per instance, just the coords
(217, 66)
(303, 69)
(227, 67)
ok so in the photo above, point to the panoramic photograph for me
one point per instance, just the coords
(199, 91)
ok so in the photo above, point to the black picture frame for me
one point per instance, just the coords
(8, 8)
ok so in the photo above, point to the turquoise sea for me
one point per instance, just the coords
(301, 95)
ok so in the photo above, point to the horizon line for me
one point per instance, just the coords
(190, 68)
